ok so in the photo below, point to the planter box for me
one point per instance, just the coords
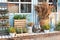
(20, 23)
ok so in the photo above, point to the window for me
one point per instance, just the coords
(13, 0)
(25, 0)
(54, 9)
(50, 2)
(42, 0)
(3, 6)
(25, 8)
(18, 6)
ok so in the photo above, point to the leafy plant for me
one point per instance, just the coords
(24, 16)
(21, 30)
(11, 30)
(57, 27)
(24, 30)
(30, 24)
(46, 27)
(15, 16)
(19, 17)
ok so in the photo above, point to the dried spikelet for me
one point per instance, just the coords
(43, 10)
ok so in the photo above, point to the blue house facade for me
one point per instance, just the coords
(24, 7)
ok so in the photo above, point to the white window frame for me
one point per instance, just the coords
(20, 5)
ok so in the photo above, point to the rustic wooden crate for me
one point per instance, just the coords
(20, 23)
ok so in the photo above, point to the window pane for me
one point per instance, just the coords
(50, 0)
(42, 0)
(3, 0)
(13, 0)
(25, 0)
(25, 8)
(3, 6)
(54, 9)
(13, 8)
(53, 0)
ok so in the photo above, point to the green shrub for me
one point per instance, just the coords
(46, 27)
(11, 30)
(24, 16)
(57, 27)
(16, 16)
(24, 30)
(21, 30)
(20, 17)
(18, 30)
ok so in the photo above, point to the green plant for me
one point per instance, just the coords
(20, 17)
(21, 30)
(57, 27)
(24, 16)
(11, 30)
(30, 24)
(24, 30)
(16, 17)
(46, 27)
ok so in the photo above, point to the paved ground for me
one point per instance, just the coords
(46, 38)
(33, 36)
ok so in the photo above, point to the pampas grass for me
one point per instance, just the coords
(43, 10)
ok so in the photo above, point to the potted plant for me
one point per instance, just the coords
(21, 30)
(12, 31)
(30, 25)
(24, 30)
(57, 28)
(20, 20)
(46, 28)
(43, 12)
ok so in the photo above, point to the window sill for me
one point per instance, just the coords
(32, 34)
(40, 36)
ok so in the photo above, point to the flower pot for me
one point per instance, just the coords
(46, 31)
(29, 29)
(12, 34)
(43, 22)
